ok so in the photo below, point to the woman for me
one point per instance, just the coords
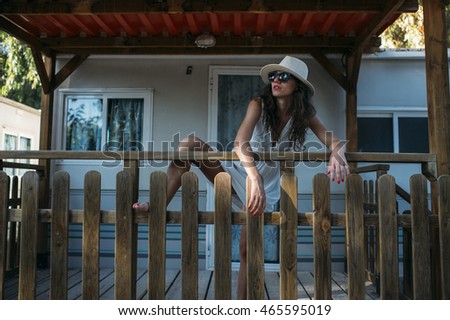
(276, 121)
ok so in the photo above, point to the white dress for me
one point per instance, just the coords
(261, 141)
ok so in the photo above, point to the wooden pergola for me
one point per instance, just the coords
(170, 27)
(240, 27)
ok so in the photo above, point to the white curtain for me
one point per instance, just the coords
(124, 122)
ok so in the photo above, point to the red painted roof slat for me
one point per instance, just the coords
(147, 25)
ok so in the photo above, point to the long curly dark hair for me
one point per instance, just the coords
(301, 110)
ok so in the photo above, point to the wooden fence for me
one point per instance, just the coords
(321, 219)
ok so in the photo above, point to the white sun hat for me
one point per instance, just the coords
(294, 66)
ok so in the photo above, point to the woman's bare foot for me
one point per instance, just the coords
(141, 206)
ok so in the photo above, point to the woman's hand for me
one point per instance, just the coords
(257, 202)
(338, 167)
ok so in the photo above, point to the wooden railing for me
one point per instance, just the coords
(288, 218)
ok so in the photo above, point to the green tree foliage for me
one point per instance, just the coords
(19, 79)
(408, 31)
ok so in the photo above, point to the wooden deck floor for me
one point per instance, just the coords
(173, 285)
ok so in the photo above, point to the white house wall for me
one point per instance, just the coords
(20, 120)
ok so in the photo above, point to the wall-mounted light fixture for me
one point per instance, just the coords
(205, 41)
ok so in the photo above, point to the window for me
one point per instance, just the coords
(84, 123)
(107, 120)
(375, 135)
(413, 134)
(16, 142)
(398, 132)
(10, 142)
(124, 124)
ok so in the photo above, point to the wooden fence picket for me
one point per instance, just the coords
(386, 222)
(4, 188)
(222, 236)
(322, 237)
(355, 237)
(421, 246)
(124, 280)
(366, 196)
(189, 237)
(444, 231)
(388, 229)
(59, 236)
(91, 236)
(157, 236)
(14, 237)
(28, 245)
(288, 237)
(255, 250)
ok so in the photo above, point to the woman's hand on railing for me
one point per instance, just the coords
(338, 167)
(257, 202)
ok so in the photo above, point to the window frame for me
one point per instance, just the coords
(19, 136)
(395, 113)
(147, 94)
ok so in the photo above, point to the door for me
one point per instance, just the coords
(231, 89)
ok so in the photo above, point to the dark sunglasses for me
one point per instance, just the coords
(282, 76)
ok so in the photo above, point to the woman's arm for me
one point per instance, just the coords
(257, 202)
(337, 166)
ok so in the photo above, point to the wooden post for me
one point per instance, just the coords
(420, 226)
(322, 237)
(222, 236)
(45, 143)
(91, 235)
(355, 237)
(59, 236)
(157, 236)
(437, 82)
(4, 191)
(444, 231)
(438, 98)
(388, 238)
(373, 234)
(255, 253)
(27, 269)
(132, 167)
(14, 236)
(288, 237)
(189, 237)
(353, 66)
(124, 280)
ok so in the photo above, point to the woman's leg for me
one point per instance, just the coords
(178, 167)
(242, 277)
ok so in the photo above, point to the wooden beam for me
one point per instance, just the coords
(438, 99)
(186, 41)
(380, 19)
(41, 70)
(436, 58)
(63, 74)
(202, 51)
(332, 69)
(219, 155)
(353, 66)
(45, 136)
(141, 6)
(68, 69)
(20, 34)
(45, 143)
